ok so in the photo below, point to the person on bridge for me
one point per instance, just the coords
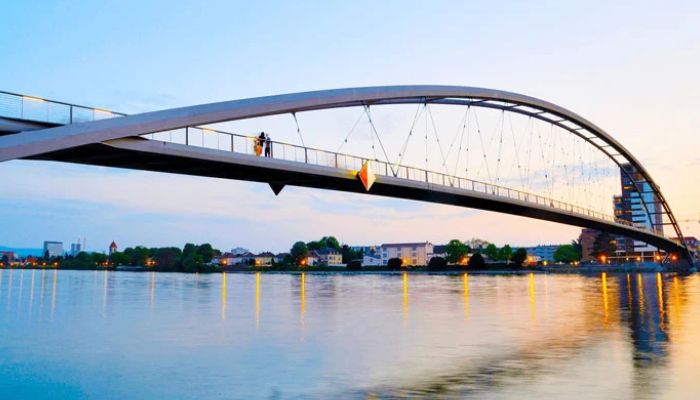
(268, 146)
(259, 141)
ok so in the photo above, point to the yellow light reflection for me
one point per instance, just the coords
(257, 300)
(303, 297)
(153, 287)
(604, 283)
(660, 294)
(640, 291)
(223, 296)
(465, 284)
(532, 295)
(405, 295)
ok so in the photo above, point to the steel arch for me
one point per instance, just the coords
(32, 143)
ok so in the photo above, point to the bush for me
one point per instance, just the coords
(437, 264)
(476, 261)
(394, 263)
(354, 265)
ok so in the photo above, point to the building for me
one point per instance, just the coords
(691, 241)
(113, 247)
(640, 207)
(279, 258)
(371, 261)
(366, 250)
(545, 252)
(8, 256)
(439, 250)
(410, 253)
(588, 237)
(312, 259)
(75, 248)
(264, 259)
(330, 257)
(53, 249)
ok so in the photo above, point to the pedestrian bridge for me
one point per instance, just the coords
(183, 141)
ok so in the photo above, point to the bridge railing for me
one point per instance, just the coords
(35, 109)
(227, 141)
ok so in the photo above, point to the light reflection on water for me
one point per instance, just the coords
(156, 335)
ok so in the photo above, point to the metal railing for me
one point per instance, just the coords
(231, 142)
(35, 109)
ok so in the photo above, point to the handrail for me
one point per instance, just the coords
(292, 152)
(36, 109)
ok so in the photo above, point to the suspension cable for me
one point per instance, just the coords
(294, 115)
(374, 129)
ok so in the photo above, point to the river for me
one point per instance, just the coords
(117, 335)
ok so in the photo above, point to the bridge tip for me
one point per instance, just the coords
(276, 187)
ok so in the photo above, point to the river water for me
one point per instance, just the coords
(119, 335)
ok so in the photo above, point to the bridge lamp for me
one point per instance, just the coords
(674, 257)
(639, 258)
(603, 258)
(544, 263)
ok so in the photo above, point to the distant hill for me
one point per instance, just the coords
(23, 252)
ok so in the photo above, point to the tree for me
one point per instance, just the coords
(456, 251)
(437, 264)
(167, 257)
(578, 245)
(566, 253)
(519, 257)
(476, 261)
(350, 254)
(299, 252)
(207, 252)
(394, 263)
(118, 258)
(491, 251)
(505, 253)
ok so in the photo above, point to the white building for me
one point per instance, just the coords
(371, 261)
(410, 253)
(53, 249)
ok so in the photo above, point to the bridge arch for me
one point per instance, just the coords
(32, 143)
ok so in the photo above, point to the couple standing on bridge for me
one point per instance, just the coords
(263, 141)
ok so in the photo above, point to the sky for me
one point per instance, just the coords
(630, 67)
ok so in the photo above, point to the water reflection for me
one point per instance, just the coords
(470, 339)
(531, 281)
(257, 300)
(223, 296)
(302, 296)
(465, 285)
(53, 292)
(404, 278)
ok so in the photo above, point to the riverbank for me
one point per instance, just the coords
(450, 270)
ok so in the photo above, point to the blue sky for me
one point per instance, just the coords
(631, 67)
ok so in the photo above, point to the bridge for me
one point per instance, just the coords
(181, 141)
